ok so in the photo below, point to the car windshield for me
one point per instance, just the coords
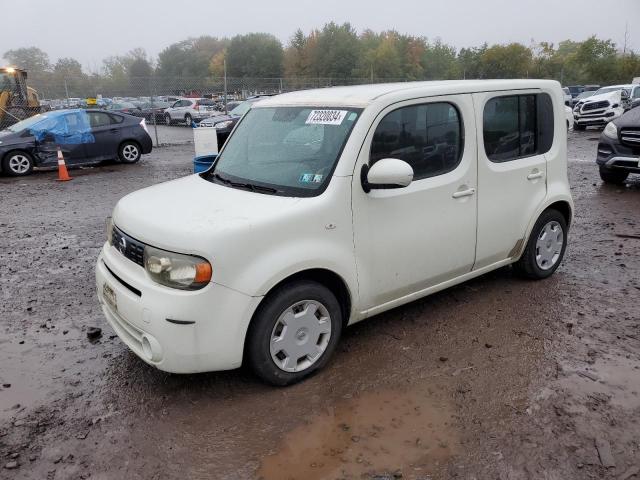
(610, 89)
(242, 108)
(586, 94)
(288, 151)
(28, 123)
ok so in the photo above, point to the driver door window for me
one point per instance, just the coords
(428, 137)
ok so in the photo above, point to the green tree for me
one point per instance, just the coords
(32, 59)
(506, 61)
(255, 55)
(470, 61)
(189, 58)
(296, 59)
(440, 61)
(337, 51)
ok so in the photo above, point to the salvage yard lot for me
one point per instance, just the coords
(495, 378)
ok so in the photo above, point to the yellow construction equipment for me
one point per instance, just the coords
(17, 100)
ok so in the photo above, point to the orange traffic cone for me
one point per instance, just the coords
(63, 175)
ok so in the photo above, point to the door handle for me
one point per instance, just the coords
(464, 193)
(535, 175)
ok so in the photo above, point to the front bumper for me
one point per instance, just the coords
(174, 330)
(599, 118)
(614, 156)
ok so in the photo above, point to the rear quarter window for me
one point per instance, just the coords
(518, 126)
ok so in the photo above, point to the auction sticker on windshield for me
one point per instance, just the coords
(326, 117)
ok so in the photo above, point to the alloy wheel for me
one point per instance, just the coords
(19, 164)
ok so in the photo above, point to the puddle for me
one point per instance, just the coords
(616, 379)
(375, 433)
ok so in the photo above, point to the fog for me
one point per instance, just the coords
(90, 30)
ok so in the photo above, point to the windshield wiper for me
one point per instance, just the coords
(220, 178)
(253, 187)
(249, 186)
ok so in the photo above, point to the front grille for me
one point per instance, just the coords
(128, 246)
(630, 137)
(595, 105)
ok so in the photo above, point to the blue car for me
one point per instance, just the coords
(83, 136)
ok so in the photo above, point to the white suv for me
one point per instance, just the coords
(326, 207)
(189, 110)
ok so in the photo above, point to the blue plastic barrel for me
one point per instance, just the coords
(202, 164)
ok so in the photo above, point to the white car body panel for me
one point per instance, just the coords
(255, 241)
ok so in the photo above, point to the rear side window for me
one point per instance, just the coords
(518, 126)
(99, 119)
(428, 137)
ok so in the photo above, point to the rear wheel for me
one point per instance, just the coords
(616, 177)
(294, 333)
(545, 247)
(17, 164)
(188, 120)
(577, 126)
(129, 152)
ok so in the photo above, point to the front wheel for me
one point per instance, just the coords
(188, 120)
(129, 152)
(167, 119)
(17, 164)
(545, 248)
(616, 177)
(294, 333)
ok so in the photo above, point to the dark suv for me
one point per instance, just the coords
(619, 148)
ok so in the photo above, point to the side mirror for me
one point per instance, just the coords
(386, 174)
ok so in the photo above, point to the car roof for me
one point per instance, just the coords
(363, 95)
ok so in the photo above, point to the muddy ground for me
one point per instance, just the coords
(498, 378)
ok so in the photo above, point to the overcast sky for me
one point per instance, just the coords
(90, 30)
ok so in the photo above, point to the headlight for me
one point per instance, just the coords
(611, 131)
(110, 230)
(221, 125)
(176, 270)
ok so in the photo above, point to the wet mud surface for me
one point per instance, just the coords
(498, 378)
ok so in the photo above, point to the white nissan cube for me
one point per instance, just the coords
(326, 207)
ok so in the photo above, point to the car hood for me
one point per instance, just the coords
(10, 138)
(629, 119)
(191, 214)
(613, 97)
(219, 118)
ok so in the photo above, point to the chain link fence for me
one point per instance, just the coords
(150, 97)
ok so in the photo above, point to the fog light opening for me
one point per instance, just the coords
(146, 348)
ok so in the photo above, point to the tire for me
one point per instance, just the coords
(188, 120)
(17, 164)
(167, 119)
(269, 360)
(615, 177)
(129, 152)
(543, 253)
(579, 127)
